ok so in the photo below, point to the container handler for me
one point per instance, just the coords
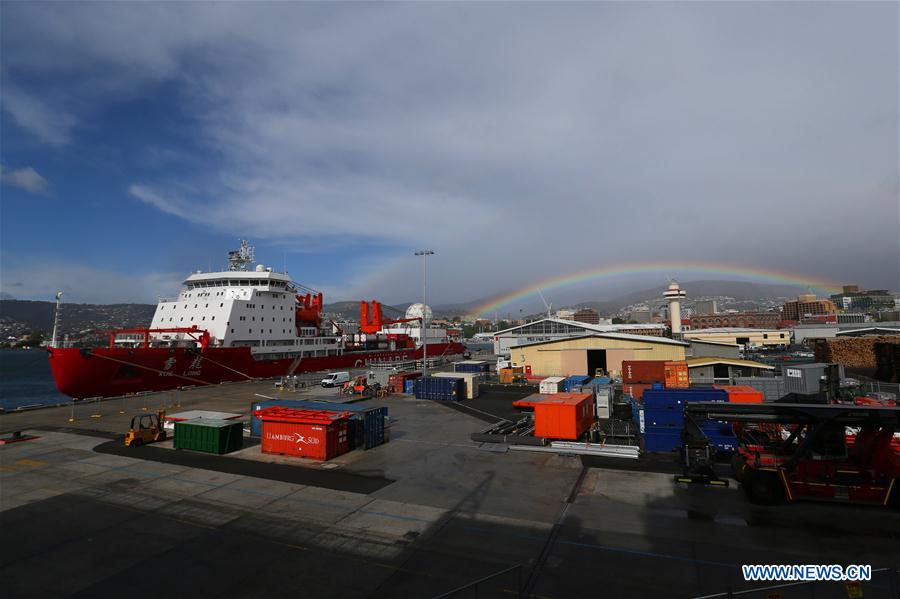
(146, 428)
(789, 452)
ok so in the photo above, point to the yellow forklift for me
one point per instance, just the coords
(146, 428)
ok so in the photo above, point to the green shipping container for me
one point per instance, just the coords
(209, 435)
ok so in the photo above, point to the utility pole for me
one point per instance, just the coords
(55, 320)
(424, 254)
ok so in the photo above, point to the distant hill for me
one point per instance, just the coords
(38, 316)
(741, 291)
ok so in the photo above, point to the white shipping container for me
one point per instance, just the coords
(551, 384)
(471, 380)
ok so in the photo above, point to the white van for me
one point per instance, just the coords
(335, 378)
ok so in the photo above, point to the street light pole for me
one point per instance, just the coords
(424, 254)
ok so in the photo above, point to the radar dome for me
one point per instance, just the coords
(260, 268)
(415, 311)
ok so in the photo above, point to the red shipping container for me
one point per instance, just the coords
(305, 433)
(669, 372)
(635, 390)
(741, 393)
(564, 415)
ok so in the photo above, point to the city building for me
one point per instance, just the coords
(742, 336)
(565, 314)
(751, 320)
(704, 307)
(586, 315)
(585, 354)
(806, 305)
(641, 314)
(875, 300)
(548, 329)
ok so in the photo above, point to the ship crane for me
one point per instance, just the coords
(375, 322)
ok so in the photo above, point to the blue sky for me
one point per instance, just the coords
(138, 142)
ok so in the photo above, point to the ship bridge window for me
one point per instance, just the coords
(245, 283)
(213, 318)
(221, 305)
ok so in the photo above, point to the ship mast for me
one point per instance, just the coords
(55, 319)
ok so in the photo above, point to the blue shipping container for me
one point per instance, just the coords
(366, 422)
(439, 388)
(664, 418)
(576, 380)
(471, 367)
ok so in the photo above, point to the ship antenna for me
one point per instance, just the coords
(240, 259)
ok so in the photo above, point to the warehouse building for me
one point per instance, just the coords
(585, 354)
(804, 332)
(723, 370)
(712, 349)
(548, 329)
(742, 336)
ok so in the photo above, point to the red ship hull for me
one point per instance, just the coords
(109, 372)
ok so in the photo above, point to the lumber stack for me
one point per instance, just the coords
(852, 352)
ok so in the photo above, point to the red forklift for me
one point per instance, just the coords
(792, 451)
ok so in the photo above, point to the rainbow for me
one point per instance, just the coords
(716, 268)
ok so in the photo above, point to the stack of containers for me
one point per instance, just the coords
(439, 389)
(397, 381)
(664, 418)
(368, 426)
(471, 380)
(304, 433)
(639, 375)
(551, 384)
(564, 416)
(570, 383)
(479, 366)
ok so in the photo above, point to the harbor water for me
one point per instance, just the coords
(25, 379)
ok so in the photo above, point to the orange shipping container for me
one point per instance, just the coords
(741, 393)
(676, 375)
(564, 415)
(508, 375)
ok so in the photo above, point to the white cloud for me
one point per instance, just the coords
(83, 284)
(25, 178)
(52, 124)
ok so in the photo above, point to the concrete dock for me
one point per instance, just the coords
(426, 513)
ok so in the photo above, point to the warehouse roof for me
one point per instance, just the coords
(731, 330)
(598, 328)
(869, 331)
(697, 362)
(619, 336)
(711, 342)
